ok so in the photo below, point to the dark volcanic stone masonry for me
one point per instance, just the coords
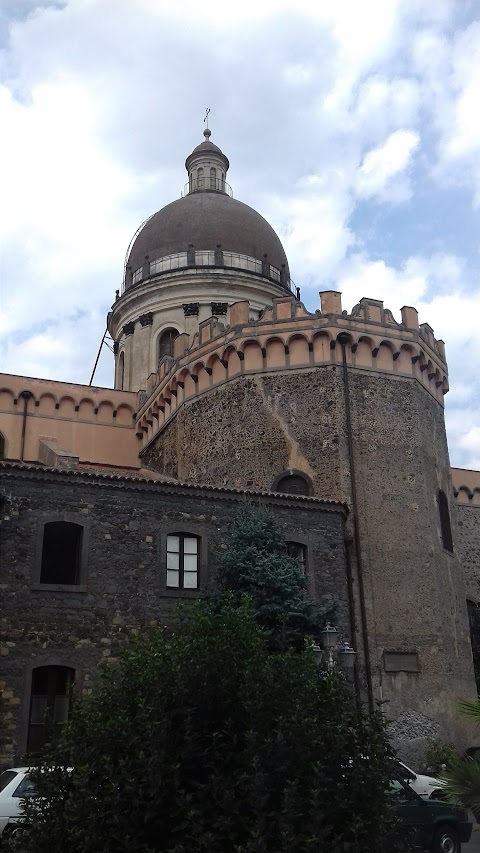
(246, 431)
(123, 590)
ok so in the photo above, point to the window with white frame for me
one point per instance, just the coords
(182, 561)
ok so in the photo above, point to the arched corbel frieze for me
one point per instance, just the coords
(253, 355)
(321, 347)
(66, 407)
(405, 360)
(298, 350)
(234, 363)
(275, 352)
(47, 404)
(384, 358)
(363, 352)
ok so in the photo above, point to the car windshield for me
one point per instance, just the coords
(25, 789)
(6, 777)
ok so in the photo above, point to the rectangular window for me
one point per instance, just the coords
(182, 561)
(298, 552)
(49, 704)
(61, 553)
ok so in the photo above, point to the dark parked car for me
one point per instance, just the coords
(441, 827)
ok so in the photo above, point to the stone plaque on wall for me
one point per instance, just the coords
(401, 662)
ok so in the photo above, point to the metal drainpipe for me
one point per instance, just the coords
(343, 339)
(352, 620)
(25, 395)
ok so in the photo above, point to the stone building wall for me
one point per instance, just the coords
(466, 484)
(124, 588)
(249, 430)
(468, 539)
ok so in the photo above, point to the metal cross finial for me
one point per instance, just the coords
(205, 120)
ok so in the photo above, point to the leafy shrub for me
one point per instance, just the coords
(207, 740)
(439, 756)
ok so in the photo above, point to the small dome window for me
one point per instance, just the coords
(200, 180)
(213, 178)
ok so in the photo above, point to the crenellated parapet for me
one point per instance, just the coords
(93, 424)
(289, 338)
(466, 487)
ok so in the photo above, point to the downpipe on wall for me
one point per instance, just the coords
(343, 340)
(25, 395)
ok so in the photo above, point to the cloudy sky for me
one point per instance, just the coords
(352, 126)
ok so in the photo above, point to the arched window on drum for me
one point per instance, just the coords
(165, 343)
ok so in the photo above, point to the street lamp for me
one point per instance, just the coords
(343, 654)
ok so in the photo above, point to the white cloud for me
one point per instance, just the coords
(470, 443)
(383, 164)
(319, 106)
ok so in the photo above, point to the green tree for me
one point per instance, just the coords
(205, 740)
(254, 561)
(463, 774)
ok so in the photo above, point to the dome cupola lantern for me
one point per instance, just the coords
(207, 167)
(192, 260)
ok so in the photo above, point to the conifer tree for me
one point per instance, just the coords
(254, 562)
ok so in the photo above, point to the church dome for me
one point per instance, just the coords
(206, 227)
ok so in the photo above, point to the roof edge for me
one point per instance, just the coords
(34, 472)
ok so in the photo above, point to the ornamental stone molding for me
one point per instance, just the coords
(146, 319)
(191, 309)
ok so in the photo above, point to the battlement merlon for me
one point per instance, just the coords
(372, 311)
(288, 337)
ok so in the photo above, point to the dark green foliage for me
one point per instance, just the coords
(207, 741)
(255, 562)
(474, 620)
(438, 756)
(463, 775)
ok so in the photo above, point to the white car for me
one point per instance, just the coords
(426, 787)
(14, 784)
